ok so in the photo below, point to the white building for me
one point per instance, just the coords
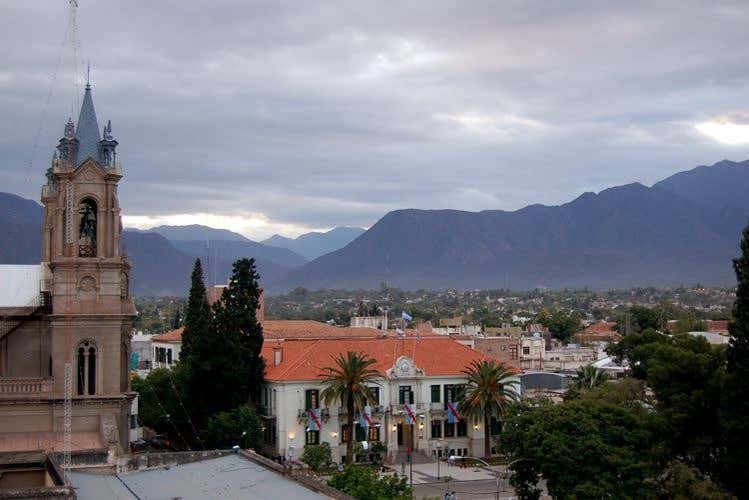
(166, 348)
(424, 373)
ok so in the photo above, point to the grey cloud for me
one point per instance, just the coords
(333, 113)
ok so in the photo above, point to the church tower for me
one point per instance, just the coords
(88, 279)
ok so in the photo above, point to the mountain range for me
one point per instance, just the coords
(683, 230)
(313, 245)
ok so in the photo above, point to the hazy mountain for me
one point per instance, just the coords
(625, 236)
(158, 267)
(196, 232)
(314, 244)
(723, 185)
(233, 250)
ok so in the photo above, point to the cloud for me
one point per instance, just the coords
(732, 129)
(270, 116)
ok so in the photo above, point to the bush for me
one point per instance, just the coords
(364, 483)
(317, 456)
(240, 426)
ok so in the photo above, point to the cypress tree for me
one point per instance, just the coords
(198, 315)
(240, 334)
(736, 393)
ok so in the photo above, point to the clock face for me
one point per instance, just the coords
(404, 365)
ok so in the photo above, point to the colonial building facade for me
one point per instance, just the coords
(424, 374)
(75, 318)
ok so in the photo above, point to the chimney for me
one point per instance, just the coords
(277, 355)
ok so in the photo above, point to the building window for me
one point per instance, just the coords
(435, 394)
(345, 434)
(436, 428)
(374, 433)
(526, 350)
(462, 428)
(405, 395)
(133, 421)
(360, 433)
(513, 352)
(449, 429)
(495, 426)
(311, 399)
(376, 396)
(312, 437)
(453, 393)
(86, 370)
(169, 356)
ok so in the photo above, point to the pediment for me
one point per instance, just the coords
(89, 171)
(404, 367)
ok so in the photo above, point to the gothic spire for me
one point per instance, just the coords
(87, 130)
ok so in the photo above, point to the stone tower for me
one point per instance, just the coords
(88, 278)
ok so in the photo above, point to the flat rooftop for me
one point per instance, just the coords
(228, 477)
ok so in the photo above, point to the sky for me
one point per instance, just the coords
(285, 117)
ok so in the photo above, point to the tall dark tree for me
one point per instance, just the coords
(198, 315)
(240, 334)
(736, 392)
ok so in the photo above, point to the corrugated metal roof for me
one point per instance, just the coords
(19, 285)
(228, 477)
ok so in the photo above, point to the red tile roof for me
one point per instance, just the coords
(601, 327)
(717, 326)
(173, 337)
(305, 359)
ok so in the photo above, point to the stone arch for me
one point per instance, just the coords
(88, 226)
(87, 357)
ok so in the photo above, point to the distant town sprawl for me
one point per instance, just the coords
(684, 307)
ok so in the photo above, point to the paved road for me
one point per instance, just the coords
(483, 489)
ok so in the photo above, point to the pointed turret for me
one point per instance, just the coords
(87, 130)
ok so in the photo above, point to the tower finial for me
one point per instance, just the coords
(88, 74)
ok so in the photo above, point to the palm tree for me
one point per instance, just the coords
(490, 387)
(589, 377)
(347, 382)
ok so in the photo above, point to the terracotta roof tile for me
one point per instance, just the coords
(174, 336)
(305, 359)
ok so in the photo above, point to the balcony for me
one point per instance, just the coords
(399, 409)
(22, 386)
(436, 407)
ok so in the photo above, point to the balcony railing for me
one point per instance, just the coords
(24, 385)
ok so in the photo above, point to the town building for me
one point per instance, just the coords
(506, 350)
(599, 332)
(166, 348)
(65, 324)
(425, 374)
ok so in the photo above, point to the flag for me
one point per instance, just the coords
(406, 316)
(401, 333)
(365, 419)
(410, 416)
(313, 420)
(452, 413)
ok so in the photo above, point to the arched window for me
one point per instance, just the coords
(87, 228)
(86, 370)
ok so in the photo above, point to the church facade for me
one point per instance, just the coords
(65, 324)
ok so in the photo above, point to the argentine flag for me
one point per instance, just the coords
(406, 316)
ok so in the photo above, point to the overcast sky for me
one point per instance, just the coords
(267, 117)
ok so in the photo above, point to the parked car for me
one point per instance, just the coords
(139, 445)
(160, 442)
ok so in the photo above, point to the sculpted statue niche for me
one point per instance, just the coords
(87, 228)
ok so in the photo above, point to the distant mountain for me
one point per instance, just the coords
(626, 236)
(314, 244)
(723, 185)
(158, 267)
(196, 232)
(233, 250)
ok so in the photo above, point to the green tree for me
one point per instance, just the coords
(364, 483)
(317, 455)
(240, 426)
(587, 377)
(735, 406)
(197, 320)
(240, 335)
(683, 482)
(348, 382)
(490, 387)
(642, 318)
(561, 324)
(582, 448)
(163, 405)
